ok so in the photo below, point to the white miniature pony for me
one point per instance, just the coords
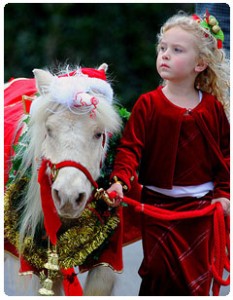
(68, 132)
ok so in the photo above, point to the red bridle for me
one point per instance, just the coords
(69, 163)
(51, 219)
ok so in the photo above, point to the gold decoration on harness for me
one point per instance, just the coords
(101, 194)
(46, 290)
(52, 263)
(54, 172)
(53, 267)
(116, 180)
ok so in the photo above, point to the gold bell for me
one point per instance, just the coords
(52, 263)
(46, 290)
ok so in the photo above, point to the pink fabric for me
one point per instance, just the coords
(13, 112)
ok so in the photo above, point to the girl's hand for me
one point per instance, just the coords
(117, 187)
(225, 204)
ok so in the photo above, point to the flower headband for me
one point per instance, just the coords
(210, 23)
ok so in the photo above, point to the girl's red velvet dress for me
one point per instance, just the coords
(170, 145)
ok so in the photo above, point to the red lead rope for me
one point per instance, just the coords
(220, 259)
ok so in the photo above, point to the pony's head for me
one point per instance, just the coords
(70, 121)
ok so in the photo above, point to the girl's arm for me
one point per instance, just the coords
(132, 143)
(222, 174)
(222, 177)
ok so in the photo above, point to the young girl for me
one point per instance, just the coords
(177, 138)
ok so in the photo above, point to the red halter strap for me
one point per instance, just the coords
(69, 163)
(51, 219)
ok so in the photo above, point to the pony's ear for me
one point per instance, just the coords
(104, 67)
(43, 80)
(101, 86)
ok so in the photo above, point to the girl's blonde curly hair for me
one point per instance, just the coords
(215, 79)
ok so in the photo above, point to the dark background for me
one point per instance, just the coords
(39, 35)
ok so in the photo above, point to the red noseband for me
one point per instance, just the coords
(69, 163)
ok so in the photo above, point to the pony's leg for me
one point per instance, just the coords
(23, 285)
(16, 285)
(99, 282)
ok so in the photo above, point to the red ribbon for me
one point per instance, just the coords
(52, 221)
(71, 284)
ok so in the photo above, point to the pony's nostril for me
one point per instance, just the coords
(56, 195)
(80, 198)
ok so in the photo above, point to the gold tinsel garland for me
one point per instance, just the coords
(78, 240)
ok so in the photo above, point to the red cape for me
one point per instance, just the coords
(13, 112)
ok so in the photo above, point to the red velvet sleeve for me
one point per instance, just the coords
(132, 142)
(222, 175)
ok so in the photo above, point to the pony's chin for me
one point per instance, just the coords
(70, 216)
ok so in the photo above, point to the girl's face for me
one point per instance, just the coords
(177, 58)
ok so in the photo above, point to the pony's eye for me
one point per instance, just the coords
(49, 130)
(98, 135)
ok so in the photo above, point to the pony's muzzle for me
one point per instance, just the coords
(69, 205)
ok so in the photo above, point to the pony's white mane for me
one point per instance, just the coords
(105, 116)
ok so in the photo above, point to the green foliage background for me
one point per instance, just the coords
(39, 35)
